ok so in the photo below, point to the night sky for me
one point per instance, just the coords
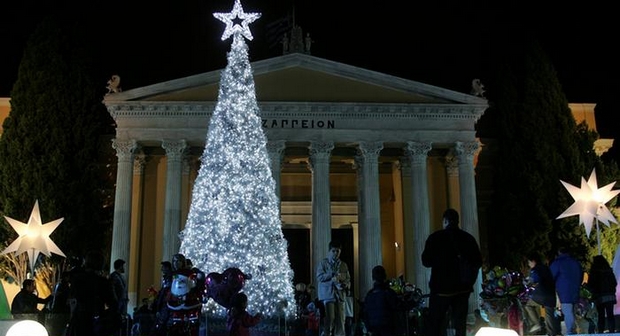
(442, 43)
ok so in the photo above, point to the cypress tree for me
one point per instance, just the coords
(56, 141)
(539, 144)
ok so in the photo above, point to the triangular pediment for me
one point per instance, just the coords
(303, 78)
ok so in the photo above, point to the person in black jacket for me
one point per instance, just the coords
(381, 306)
(96, 307)
(26, 301)
(455, 260)
(602, 283)
(542, 294)
(159, 306)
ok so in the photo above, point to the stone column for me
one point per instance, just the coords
(356, 260)
(417, 153)
(465, 152)
(276, 153)
(172, 207)
(409, 244)
(452, 173)
(367, 161)
(139, 163)
(121, 231)
(320, 153)
(189, 169)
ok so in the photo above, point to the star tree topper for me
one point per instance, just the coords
(34, 237)
(590, 202)
(232, 27)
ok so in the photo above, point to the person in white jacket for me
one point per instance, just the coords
(334, 280)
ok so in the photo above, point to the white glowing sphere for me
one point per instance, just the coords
(488, 331)
(27, 328)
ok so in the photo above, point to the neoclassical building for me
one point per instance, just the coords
(358, 156)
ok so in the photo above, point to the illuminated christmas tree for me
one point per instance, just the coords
(234, 217)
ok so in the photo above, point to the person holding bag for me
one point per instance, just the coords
(333, 277)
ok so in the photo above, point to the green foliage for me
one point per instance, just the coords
(56, 141)
(539, 145)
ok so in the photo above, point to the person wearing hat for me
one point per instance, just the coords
(120, 286)
(381, 305)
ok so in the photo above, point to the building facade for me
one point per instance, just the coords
(362, 157)
(358, 156)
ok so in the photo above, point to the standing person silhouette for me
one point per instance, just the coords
(120, 286)
(568, 276)
(334, 279)
(543, 294)
(26, 301)
(381, 306)
(96, 308)
(160, 304)
(602, 283)
(445, 252)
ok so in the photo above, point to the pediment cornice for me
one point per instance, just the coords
(305, 110)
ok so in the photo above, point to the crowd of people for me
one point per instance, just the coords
(84, 302)
(87, 302)
(556, 288)
(96, 304)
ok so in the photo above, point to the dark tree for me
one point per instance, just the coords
(538, 144)
(56, 143)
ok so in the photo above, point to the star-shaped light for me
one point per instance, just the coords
(590, 202)
(232, 27)
(34, 237)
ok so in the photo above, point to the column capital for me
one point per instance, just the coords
(276, 147)
(320, 151)
(465, 151)
(190, 163)
(139, 162)
(404, 165)
(367, 152)
(175, 149)
(417, 151)
(369, 149)
(452, 163)
(321, 148)
(124, 148)
(276, 154)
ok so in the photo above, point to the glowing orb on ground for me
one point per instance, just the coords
(27, 328)
(488, 331)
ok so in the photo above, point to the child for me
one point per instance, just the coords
(313, 320)
(239, 320)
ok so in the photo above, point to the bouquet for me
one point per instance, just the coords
(411, 295)
(585, 306)
(501, 288)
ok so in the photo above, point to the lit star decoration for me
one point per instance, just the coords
(590, 202)
(34, 237)
(233, 28)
